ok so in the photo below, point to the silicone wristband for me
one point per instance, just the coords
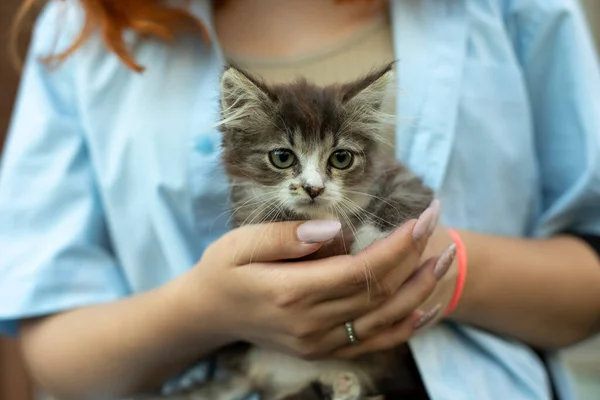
(461, 259)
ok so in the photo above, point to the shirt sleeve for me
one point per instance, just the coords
(560, 65)
(55, 252)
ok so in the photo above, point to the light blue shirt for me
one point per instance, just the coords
(111, 181)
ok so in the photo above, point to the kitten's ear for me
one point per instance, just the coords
(240, 92)
(372, 92)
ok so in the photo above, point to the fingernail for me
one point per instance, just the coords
(435, 206)
(444, 262)
(318, 231)
(423, 224)
(428, 316)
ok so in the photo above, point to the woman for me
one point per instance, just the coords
(111, 191)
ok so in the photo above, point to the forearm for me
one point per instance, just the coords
(542, 292)
(117, 349)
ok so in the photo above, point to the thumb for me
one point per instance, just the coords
(280, 240)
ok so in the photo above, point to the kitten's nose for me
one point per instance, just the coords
(313, 191)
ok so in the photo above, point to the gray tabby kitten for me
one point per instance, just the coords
(298, 152)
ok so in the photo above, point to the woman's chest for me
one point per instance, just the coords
(463, 125)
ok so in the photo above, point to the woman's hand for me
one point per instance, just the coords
(399, 318)
(300, 307)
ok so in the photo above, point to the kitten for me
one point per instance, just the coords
(297, 152)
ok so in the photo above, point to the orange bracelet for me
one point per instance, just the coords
(461, 259)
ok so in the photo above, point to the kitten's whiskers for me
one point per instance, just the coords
(275, 210)
(359, 210)
(254, 214)
(249, 203)
(368, 272)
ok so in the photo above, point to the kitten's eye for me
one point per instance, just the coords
(341, 159)
(282, 158)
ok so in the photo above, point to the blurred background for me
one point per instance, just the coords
(584, 360)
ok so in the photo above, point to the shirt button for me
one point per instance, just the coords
(204, 145)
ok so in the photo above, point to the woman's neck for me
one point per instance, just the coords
(275, 28)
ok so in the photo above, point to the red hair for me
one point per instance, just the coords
(112, 17)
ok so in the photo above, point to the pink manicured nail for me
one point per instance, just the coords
(424, 224)
(428, 316)
(435, 206)
(444, 262)
(318, 231)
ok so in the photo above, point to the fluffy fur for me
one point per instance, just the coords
(264, 127)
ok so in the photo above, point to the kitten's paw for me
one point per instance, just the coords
(346, 386)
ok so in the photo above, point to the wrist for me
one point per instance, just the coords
(196, 315)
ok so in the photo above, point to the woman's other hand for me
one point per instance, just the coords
(405, 313)
(300, 307)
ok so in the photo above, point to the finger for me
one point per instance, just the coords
(342, 276)
(377, 319)
(406, 300)
(397, 277)
(336, 247)
(336, 312)
(427, 222)
(398, 251)
(428, 317)
(394, 336)
(279, 241)
(421, 232)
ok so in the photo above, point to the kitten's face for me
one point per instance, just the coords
(306, 173)
(311, 150)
